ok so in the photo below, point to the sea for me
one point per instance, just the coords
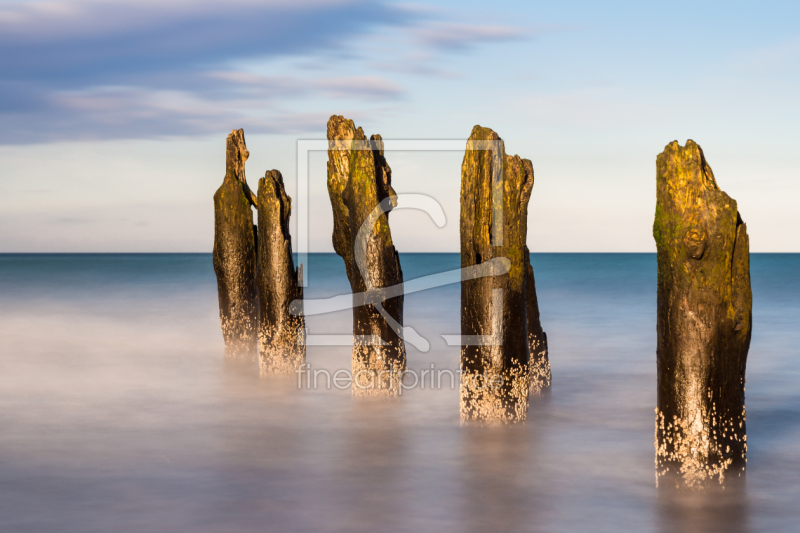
(118, 412)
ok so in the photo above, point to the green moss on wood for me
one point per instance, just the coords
(495, 191)
(234, 253)
(358, 180)
(704, 316)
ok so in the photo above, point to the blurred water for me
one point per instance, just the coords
(117, 412)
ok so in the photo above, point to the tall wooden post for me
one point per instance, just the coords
(235, 253)
(359, 182)
(280, 333)
(495, 371)
(704, 321)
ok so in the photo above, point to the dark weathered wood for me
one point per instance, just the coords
(540, 374)
(494, 188)
(704, 321)
(280, 333)
(235, 253)
(358, 180)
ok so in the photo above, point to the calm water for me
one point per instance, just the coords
(117, 412)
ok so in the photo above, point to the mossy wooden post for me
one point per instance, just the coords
(495, 190)
(537, 338)
(359, 179)
(235, 253)
(281, 334)
(704, 322)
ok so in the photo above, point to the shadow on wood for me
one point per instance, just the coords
(704, 322)
(235, 253)
(359, 179)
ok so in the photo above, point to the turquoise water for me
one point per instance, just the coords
(119, 414)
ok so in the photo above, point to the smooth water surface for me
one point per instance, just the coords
(118, 413)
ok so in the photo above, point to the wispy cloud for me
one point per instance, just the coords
(66, 38)
(335, 87)
(149, 68)
(460, 36)
(123, 68)
(360, 86)
(111, 112)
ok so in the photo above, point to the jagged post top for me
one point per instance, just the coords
(478, 134)
(487, 140)
(507, 190)
(484, 155)
(698, 228)
(345, 141)
(691, 205)
(271, 186)
(518, 183)
(342, 133)
(684, 166)
(236, 154)
(343, 136)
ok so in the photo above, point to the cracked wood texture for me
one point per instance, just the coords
(235, 253)
(495, 190)
(281, 334)
(359, 179)
(704, 322)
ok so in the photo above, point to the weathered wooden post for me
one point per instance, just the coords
(495, 190)
(537, 338)
(704, 321)
(359, 180)
(235, 253)
(280, 333)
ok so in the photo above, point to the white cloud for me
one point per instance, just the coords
(147, 68)
(464, 35)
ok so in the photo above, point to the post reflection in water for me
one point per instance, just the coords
(372, 463)
(258, 423)
(709, 510)
(495, 479)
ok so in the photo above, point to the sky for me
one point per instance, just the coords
(114, 113)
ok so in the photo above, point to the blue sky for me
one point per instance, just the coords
(114, 113)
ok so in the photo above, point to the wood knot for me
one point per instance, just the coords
(696, 242)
